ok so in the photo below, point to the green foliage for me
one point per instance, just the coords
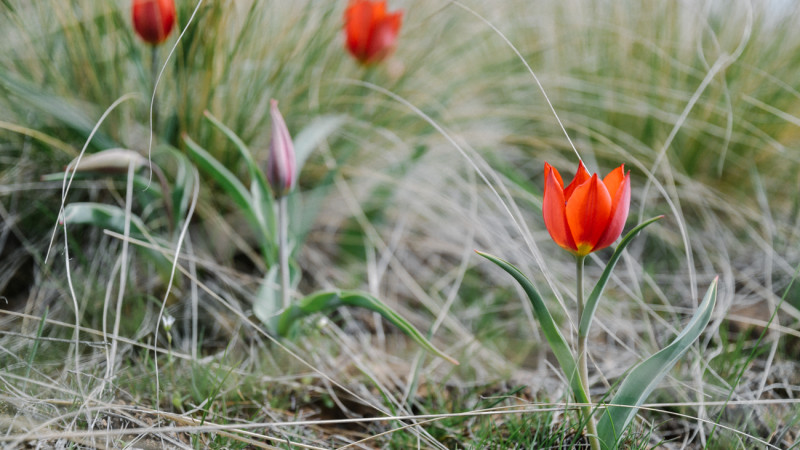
(326, 301)
(113, 218)
(257, 203)
(259, 208)
(241, 197)
(646, 376)
(594, 297)
(551, 332)
(641, 381)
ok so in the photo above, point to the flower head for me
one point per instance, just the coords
(168, 321)
(153, 19)
(281, 164)
(589, 214)
(370, 31)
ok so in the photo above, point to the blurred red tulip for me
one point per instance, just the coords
(589, 214)
(153, 19)
(370, 31)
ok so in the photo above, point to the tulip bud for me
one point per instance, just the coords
(281, 164)
(370, 31)
(153, 19)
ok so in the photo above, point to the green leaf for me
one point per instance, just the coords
(236, 190)
(182, 187)
(113, 218)
(312, 135)
(259, 189)
(594, 297)
(140, 182)
(551, 332)
(326, 301)
(224, 177)
(72, 112)
(641, 381)
(103, 216)
(267, 304)
(255, 172)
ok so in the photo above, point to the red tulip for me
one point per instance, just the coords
(589, 214)
(370, 31)
(153, 19)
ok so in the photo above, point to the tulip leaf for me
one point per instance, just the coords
(221, 174)
(551, 332)
(113, 218)
(235, 189)
(267, 304)
(140, 183)
(260, 191)
(103, 216)
(325, 301)
(312, 135)
(182, 187)
(255, 172)
(643, 378)
(594, 297)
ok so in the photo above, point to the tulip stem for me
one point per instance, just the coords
(283, 254)
(583, 367)
(153, 79)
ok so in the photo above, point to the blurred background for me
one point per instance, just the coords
(416, 161)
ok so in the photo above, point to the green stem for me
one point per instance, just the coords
(583, 366)
(169, 348)
(283, 255)
(153, 78)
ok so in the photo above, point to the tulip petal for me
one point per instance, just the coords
(581, 176)
(370, 32)
(548, 167)
(554, 210)
(614, 180)
(588, 210)
(384, 34)
(153, 19)
(358, 21)
(619, 214)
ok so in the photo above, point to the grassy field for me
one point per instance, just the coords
(411, 165)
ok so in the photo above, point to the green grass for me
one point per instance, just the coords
(698, 99)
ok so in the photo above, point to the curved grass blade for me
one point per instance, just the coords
(326, 301)
(641, 381)
(594, 297)
(551, 332)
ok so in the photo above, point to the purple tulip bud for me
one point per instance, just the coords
(281, 165)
